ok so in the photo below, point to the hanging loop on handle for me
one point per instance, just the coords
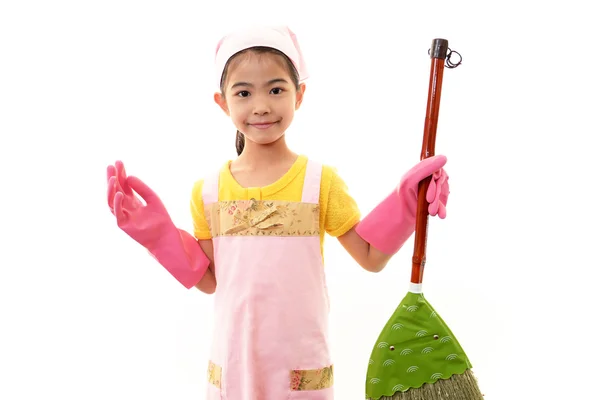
(440, 56)
(440, 48)
(449, 62)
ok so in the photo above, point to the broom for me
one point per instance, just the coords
(416, 356)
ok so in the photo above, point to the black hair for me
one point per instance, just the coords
(239, 136)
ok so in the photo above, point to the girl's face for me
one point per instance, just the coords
(260, 97)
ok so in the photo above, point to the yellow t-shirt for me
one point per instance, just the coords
(339, 211)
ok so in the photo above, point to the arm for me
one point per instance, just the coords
(208, 284)
(373, 240)
(382, 233)
(203, 237)
(341, 217)
(365, 255)
(151, 226)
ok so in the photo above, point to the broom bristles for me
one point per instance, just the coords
(457, 387)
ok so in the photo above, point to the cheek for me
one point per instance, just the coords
(237, 111)
(288, 105)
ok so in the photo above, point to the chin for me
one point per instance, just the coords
(268, 141)
(264, 138)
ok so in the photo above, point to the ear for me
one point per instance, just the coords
(220, 100)
(300, 95)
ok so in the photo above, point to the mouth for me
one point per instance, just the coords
(264, 125)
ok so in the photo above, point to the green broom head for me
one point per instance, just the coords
(414, 348)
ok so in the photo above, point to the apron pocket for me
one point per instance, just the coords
(214, 381)
(312, 384)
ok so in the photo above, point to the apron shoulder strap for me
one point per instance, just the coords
(210, 188)
(312, 182)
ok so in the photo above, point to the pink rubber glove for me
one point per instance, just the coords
(393, 221)
(151, 226)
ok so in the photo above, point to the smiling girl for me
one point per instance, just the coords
(259, 226)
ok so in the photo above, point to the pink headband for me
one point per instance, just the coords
(280, 38)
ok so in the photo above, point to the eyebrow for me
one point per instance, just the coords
(272, 81)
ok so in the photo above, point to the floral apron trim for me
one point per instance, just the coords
(214, 374)
(262, 218)
(311, 379)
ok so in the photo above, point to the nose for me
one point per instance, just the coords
(261, 106)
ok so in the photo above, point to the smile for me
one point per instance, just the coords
(264, 125)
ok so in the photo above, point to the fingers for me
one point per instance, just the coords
(442, 197)
(118, 170)
(110, 172)
(445, 192)
(441, 210)
(432, 197)
(437, 194)
(143, 190)
(435, 186)
(111, 192)
(431, 191)
(119, 210)
(440, 181)
(433, 208)
(122, 178)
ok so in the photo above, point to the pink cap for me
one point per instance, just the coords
(280, 38)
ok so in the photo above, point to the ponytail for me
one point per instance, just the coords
(240, 140)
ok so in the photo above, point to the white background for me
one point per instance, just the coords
(86, 314)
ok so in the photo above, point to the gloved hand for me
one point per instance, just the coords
(392, 222)
(151, 226)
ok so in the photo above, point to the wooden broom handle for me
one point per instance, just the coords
(438, 53)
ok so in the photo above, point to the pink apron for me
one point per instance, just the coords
(271, 303)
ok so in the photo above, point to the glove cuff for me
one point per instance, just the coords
(389, 225)
(181, 255)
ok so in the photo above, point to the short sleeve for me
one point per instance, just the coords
(341, 211)
(201, 228)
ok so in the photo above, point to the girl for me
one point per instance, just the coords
(259, 225)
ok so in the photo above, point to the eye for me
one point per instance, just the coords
(243, 93)
(276, 90)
